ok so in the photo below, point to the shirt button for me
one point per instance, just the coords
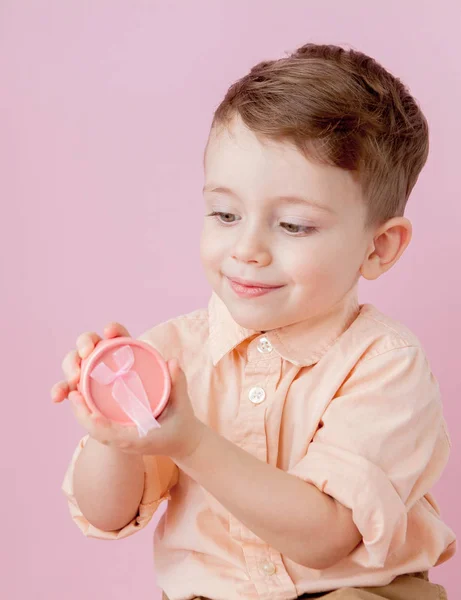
(268, 568)
(264, 346)
(256, 395)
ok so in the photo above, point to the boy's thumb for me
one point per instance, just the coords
(178, 379)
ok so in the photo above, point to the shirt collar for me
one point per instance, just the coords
(302, 343)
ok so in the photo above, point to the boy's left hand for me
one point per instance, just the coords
(179, 435)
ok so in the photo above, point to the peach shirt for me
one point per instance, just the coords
(347, 403)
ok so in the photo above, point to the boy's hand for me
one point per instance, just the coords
(86, 343)
(180, 431)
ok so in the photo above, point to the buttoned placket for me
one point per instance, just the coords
(262, 369)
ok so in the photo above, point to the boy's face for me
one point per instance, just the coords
(311, 253)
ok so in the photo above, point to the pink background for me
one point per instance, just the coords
(105, 108)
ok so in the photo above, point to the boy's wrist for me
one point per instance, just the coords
(111, 451)
(199, 436)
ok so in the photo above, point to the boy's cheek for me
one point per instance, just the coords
(321, 280)
(211, 245)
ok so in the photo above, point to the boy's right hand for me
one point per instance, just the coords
(86, 342)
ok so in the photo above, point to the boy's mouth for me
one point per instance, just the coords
(250, 289)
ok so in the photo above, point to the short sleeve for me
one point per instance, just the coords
(160, 475)
(380, 446)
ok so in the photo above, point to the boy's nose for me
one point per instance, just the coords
(251, 248)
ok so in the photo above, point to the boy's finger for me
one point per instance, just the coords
(178, 379)
(71, 368)
(59, 391)
(114, 329)
(80, 409)
(97, 426)
(101, 429)
(86, 343)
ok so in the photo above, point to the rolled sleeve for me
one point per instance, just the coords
(377, 509)
(160, 475)
(377, 448)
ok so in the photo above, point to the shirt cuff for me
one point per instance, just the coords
(147, 507)
(377, 509)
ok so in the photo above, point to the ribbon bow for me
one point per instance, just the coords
(127, 389)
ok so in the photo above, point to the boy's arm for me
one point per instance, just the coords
(108, 485)
(112, 494)
(292, 516)
(381, 446)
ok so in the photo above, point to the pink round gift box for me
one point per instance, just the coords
(148, 363)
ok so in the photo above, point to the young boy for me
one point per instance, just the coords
(304, 430)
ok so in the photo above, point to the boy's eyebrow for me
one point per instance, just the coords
(288, 199)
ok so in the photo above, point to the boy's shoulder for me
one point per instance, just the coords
(184, 332)
(371, 334)
(377, 333)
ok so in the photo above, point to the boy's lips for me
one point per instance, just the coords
(255, 284)
(250, 289)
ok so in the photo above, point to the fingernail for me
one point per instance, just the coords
(55, 391)
(84, 350)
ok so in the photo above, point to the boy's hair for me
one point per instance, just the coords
(339, 107)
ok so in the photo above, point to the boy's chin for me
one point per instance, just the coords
(245, 319)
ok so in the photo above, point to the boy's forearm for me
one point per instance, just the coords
(293, 516)
(108, 485)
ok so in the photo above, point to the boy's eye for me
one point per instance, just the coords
(228, 218)
(293, 228)
(223, 217)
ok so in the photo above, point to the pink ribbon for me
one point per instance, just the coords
(127, 389)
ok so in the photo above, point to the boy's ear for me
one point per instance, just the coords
(389, 243)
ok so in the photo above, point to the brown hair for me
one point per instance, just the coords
(342, 108)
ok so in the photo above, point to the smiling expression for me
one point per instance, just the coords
(274, 218)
